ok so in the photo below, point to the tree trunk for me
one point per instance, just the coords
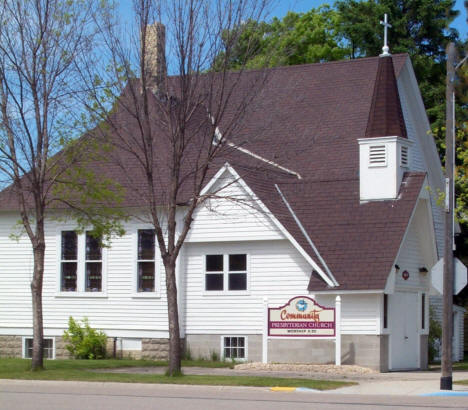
(173, 317)
(36, 290)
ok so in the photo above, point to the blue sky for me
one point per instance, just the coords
(283, 6)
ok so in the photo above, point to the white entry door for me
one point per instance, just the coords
(403, 326)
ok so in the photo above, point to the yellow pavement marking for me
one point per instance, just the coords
(283, 389)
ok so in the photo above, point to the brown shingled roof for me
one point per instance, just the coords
(308, 118)
(358, 241)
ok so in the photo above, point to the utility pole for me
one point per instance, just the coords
(447, 321)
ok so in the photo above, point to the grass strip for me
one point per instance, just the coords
(465, 382)
(81, 370)
(457, 366)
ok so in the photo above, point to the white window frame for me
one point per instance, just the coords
(246, 348)
(225, 273)
(80, 270)
(23, 347)
(157, 266)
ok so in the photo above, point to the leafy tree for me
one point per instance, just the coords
(351, 29)
(298, 38)
(44, 44)
(160, 124)
(419, 28)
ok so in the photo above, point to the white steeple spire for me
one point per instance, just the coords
(387, 25)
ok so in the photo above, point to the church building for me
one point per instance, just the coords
(335, 196)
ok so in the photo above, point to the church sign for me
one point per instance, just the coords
(301, 316)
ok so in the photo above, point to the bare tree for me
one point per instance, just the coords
(43, 45)
(168, 132)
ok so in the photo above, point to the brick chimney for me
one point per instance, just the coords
(155, 58)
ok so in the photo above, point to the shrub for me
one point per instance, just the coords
(84, 342)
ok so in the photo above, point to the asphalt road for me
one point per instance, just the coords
(51, 395)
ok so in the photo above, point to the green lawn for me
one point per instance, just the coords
(462, 366)
(83, 370)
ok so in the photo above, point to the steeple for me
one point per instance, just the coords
(384, 152)
(385, 116)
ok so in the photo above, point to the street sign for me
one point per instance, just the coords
(460, 276)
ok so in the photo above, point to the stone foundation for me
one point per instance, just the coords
(11, 346)
(206, 346)
(155, 349)
(363, 350)
(60, 351)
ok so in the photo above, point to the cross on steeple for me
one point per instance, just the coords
(387, 25)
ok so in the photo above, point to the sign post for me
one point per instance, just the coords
(265, 331)
(338, 331)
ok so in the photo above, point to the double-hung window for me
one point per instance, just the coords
(146, 271)
(81, 262)
(226, 272)
(69, 261)
(93, 264)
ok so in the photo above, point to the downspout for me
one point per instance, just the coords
(304, 232)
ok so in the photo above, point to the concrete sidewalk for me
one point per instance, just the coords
(393, 383)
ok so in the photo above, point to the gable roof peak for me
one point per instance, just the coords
(386, 115)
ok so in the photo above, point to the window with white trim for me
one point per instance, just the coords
(93, 264)
(377, 156)
(226, 272)
(146, 267)
(80, 262)
(47, 348)
(234, 347)
(69, 261)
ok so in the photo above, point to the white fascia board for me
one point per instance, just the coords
(425, 195)
(346, 292)
(368, 141)
(215, 178)
(227, 167)
(391, 281)
(430, 153)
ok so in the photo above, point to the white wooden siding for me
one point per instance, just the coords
(118, 309)
(234, 217)
(415, 253)
(278, 272)
(425, 159)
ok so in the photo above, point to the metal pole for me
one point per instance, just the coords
(447, 321)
